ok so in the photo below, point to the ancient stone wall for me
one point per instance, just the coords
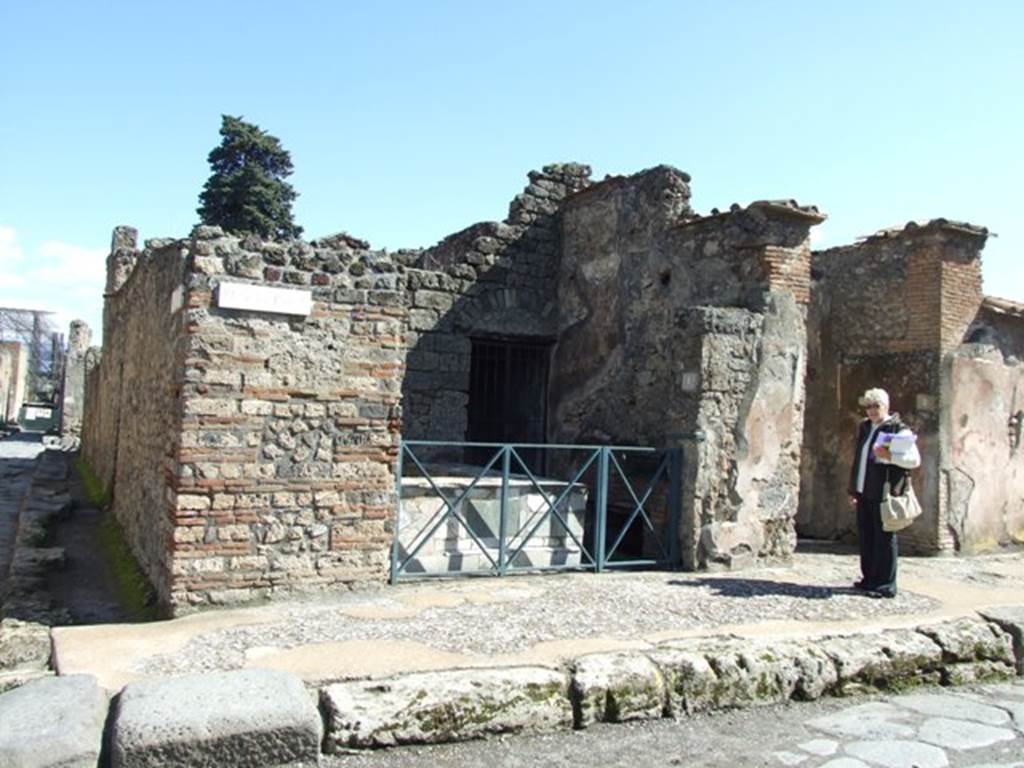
(72, 391)
(885, 312)
(104, 383)
(998, 323)
(130, 436)
(669, 323)
(493, 279)
(291, 423)
(253, 445)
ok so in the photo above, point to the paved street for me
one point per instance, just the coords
(978, 727)
(17, 453)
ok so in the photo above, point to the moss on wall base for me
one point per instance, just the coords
(134, 591)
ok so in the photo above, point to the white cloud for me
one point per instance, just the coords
(10, 280)
(70, 265)
(58, 277)
(10, 251)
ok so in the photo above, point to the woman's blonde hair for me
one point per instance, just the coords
(875, 396)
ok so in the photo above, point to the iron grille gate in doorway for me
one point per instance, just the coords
(610, 507)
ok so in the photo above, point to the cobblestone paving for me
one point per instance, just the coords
(17, 454)
(980, 727)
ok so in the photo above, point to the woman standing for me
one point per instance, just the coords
(873, 464)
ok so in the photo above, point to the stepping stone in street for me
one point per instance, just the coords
(55, 721)
(248, 717)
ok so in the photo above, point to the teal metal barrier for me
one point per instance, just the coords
(605, 467)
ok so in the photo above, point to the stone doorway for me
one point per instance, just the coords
(508, 388)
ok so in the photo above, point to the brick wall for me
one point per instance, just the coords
(884, 312)
(254, 450)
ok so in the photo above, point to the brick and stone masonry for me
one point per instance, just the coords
(904, 309)
(251, 447)
(250, 451)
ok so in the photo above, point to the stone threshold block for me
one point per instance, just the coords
(445, 706)
(55, 721)
(252, 717)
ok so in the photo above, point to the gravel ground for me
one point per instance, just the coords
(490, 617)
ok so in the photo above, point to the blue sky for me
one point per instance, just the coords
(409, 120)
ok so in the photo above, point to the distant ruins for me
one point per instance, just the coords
(250, 398)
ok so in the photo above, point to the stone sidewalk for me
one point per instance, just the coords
(542, 619)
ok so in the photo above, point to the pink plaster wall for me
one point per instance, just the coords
(984, 474)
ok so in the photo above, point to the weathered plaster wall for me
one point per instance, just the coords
(670, 322)
(72, 391)
(885, 312)
(984, 466)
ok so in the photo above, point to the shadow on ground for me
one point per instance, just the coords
(737, 587)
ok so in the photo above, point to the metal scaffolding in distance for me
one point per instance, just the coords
(45, 346)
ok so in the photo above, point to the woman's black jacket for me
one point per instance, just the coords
(876, 472)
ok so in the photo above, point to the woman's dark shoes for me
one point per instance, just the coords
(882, 593)
(861, 585)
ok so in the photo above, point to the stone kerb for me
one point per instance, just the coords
(249, 717)
(674, 679)
(290, 421)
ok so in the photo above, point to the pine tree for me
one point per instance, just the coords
(247, 192)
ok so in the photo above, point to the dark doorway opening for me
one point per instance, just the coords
(508, 383)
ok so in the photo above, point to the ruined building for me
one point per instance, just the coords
(250, 400)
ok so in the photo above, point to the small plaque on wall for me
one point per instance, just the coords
(690, 382)
(262, 298)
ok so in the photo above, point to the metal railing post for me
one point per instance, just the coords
(395, 549)
(675, 498)
(506, 468)
(601, 507)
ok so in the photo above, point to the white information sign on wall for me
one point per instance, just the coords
(262, 298)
